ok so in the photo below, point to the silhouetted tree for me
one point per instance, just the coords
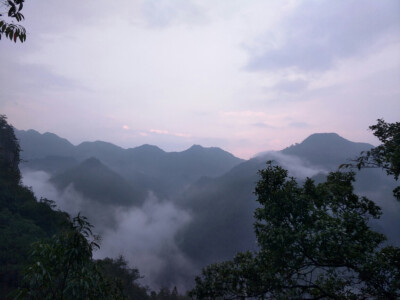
(13, 13)
(63, 268)
(386, 155)
(314, 243)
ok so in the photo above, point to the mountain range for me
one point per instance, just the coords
(211, 185)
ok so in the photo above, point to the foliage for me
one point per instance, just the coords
(62, 268)
(23, 220)
(11, 30)
(117, 270)
(314, 242)
(9, 152)
(386, 155)
(166, 294)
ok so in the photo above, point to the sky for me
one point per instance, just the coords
(246, 76)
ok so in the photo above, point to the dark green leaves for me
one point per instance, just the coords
(314, 243)
(63, 268)
(12, 31)
(386, 155)
(9, 29)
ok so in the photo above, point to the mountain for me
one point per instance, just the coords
(147, 166)
(168, 173)
(23, 218)
(223, 207)
(99, 149)
(51, 164)
(212, 185)
(97, 182)
(326, 150)
(36, 145)
(222, 210)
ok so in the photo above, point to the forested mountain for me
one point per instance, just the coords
(203, 196)
(327, 150)
(23, 219)
(97, 182)
(36, 145)
(223, 207)
(164, 173)
(45, 254)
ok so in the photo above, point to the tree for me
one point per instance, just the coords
(63, 268)
(386, 155)
(10, 29)
(23, 219)
(117, 270)
(9, 152)
(314, 242)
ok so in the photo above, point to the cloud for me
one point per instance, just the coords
(159, 131)
(299, 125)
(144, 235)
(319, 33)
(243, 113)
(33, 77)
(297, 168)
(101, 215)
(291, 86)
(263, 125)
(168, 12)
(166, 132)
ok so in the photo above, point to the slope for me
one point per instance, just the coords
(223, 207)
(99, 183)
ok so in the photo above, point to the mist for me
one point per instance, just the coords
(297, 167)
(144, 235)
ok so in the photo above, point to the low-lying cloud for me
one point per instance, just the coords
(296, 167)
(144, 235)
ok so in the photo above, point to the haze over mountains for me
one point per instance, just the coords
(170, 213)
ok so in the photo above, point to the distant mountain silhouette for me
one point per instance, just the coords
(51, 164)
(165, 173)
(212, 184)
(97, 182)
(99, 149)
(326, 149)
(36, 145)
(223, 207)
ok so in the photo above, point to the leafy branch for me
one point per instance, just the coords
(10, 30)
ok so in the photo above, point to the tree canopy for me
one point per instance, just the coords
(63, 267)
(386, 155)
(13, 13)
(314, 242)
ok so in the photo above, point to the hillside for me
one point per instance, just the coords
(224, 206)
(208, 186)
(97, 182)
(147, 166)
(326, 150)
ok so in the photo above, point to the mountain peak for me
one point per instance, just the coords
(147, 148)
(91, 162)
(326, 149)
(97, 144)
(325, 137)
(195, 147)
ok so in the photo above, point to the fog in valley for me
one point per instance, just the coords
(170, 236)
(220, 149)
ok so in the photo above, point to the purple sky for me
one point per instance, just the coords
(246, 76)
